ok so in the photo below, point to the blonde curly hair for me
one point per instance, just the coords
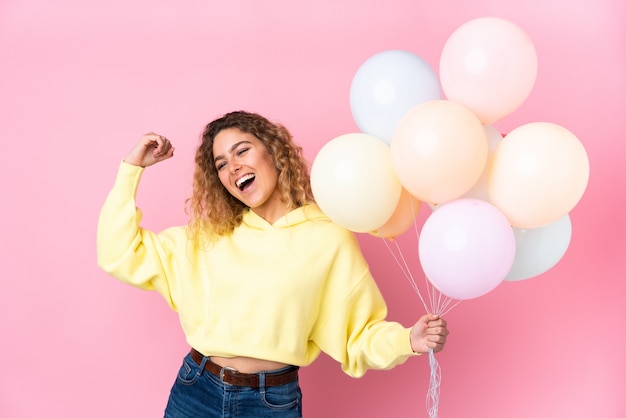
(212, 209)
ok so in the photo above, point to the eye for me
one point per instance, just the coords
(242, 151)
(219, 166)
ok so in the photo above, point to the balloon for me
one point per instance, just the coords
(538, 174)
(386, 86)
(354, 183)
(479, 190)
(402, 218)
(439, 151)
(489, 65)
(466, 248)
(537, 250)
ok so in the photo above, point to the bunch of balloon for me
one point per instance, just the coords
(538, 172)
(500, 205)
(507, 199)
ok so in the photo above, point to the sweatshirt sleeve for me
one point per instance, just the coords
(125, 250)
(352, 327)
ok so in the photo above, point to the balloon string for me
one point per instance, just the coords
(432, 399)
(405, 269)
(447, 307)
(439, 304)
(431, 291)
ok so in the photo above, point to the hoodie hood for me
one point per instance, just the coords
(297, 216)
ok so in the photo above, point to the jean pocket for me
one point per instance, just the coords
(283, 397)
(189, 371)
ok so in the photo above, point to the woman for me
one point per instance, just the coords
(261, 279)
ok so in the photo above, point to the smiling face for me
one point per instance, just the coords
(245, 168)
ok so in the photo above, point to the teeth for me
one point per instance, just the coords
(243, 179)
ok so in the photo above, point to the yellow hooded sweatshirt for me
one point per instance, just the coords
(279, 292)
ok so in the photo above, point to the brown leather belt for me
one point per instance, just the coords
(233, 377)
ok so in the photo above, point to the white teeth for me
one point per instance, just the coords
(243, 179)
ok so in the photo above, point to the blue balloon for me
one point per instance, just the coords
(386, 86)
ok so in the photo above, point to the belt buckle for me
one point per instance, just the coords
(223, 370)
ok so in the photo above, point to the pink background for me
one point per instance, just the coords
(81, 81)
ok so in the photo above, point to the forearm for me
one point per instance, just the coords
(120, 241)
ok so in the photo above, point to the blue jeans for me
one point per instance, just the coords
(198, 393)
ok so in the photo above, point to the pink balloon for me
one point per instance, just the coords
(489, 65)
(466, 248)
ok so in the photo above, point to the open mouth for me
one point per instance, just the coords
(245, 181)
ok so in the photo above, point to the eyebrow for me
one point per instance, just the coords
(232, 148)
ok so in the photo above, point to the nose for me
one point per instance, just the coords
(234, 167)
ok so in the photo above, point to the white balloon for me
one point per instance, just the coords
(354, 183)
(386, 86)
(537, 250)
(480, 189)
